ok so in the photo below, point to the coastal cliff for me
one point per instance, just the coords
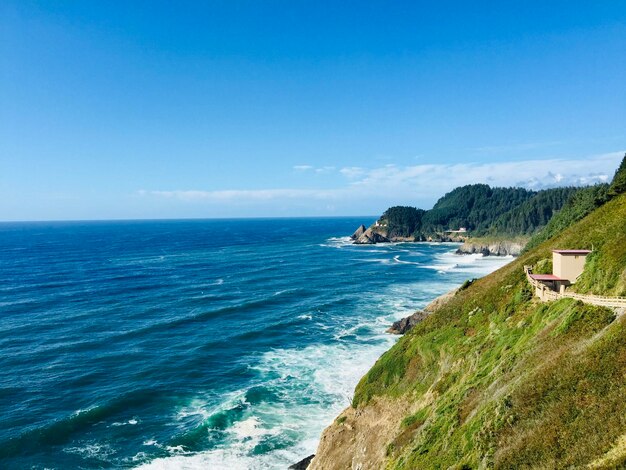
(475, 210)
(493, 378)
(492, 248)
(370, 237)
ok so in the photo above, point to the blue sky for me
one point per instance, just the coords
(288, 108)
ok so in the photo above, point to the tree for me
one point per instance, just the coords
(618, 186)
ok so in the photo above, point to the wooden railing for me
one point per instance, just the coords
(545, 294)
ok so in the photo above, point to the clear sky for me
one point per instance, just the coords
(179, 109)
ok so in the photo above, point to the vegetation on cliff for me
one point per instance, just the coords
(482, 210)
(402, 221)
(618, 185)
(474, 206)
(497, 379)
(580, 204)
(532, 214)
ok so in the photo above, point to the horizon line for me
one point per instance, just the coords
(182, 219)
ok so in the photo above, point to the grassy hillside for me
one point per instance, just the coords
(507, 382)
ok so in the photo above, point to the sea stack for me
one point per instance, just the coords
(369, 237)
(358, 232)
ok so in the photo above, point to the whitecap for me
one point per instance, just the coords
(338, 242)
(398, 260)
(92, 450)
(176, 450)
(130, 422)
(310, 385)
(385, 261)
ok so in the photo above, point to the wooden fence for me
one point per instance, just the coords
(546, 294)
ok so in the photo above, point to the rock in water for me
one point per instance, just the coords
(303, 464)
(358, 232)
(369, 237)
(405, 324)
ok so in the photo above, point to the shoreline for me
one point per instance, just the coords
(434, 304)
(504, 247)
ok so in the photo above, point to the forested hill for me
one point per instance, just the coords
(480, 209)
(474, 206)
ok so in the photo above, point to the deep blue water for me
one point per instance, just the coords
(196, 344)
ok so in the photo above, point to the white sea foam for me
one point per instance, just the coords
(196, 410)
(83, 410)
(130, 422)
(92, 450)
(338, 242)
(385, 261)
(219, 459)
(325, 376)
(139, 457)
(310, 385)
(398, 260)
(177, 450)
(448, 261)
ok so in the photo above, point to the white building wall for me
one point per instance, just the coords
(568, 266)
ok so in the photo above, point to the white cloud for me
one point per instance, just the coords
(324, 169)
(534, 174)
(244, 195)
(318, 170)
(418, 185)
(353, 172)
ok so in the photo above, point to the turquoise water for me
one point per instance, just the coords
(195, 344)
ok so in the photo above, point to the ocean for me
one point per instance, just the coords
(196, 343)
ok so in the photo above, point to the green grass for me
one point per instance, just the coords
(516, 383)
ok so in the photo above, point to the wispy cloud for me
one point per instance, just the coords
(417, 184)
(532, 174)
(353, 172)
(311, 168)
(244, 195)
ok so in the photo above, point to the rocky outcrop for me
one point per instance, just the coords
(358, 232)
(405, 324)
(303, 464)
(370, 237)
(359, 437)
(500, 248)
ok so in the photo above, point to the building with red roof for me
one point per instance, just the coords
(567, 266)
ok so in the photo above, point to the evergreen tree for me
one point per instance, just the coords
(618, 186)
